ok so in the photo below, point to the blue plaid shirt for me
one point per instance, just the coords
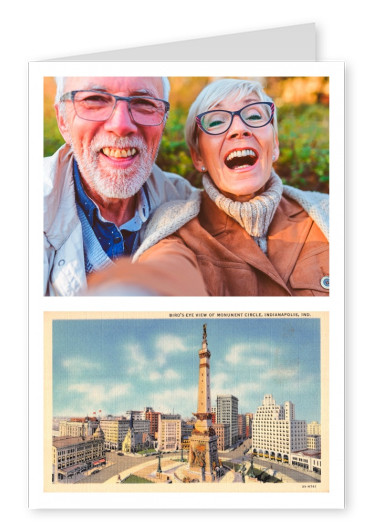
(115, 241)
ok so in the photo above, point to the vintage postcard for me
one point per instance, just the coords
(186, 402)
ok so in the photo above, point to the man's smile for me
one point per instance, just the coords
(117, 153)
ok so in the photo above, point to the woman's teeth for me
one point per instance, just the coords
(119, 153)
(241, 153)
(241, 158)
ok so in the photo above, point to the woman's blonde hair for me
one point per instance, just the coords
(216, 92)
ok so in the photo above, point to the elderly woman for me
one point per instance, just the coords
(247, 234)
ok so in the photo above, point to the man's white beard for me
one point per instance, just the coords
(115, 183)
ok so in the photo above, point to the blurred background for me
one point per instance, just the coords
(303, 127)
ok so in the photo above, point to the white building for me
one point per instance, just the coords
(308, 460)
(314, 442)
(131, 414)
(313, 428)
(276, 433)
(227, 413)
(169, 433)
(78, 427)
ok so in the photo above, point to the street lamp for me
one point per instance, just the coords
(159, 463)
(203, 470)
(252, 473)
(243, 472)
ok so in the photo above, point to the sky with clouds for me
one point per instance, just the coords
(117, 365)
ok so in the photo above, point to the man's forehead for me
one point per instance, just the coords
(115, 85)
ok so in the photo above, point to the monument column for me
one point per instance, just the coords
(203, 452)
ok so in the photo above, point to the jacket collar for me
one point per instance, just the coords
(60, 215)
(287, 233)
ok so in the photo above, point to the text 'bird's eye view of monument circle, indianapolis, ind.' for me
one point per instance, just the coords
(176, 434)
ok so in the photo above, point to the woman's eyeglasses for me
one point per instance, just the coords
(254, 115)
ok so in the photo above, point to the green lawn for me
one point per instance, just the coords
(149, 451)
(135, 479)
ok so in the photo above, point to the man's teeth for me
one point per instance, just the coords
(241, 153)
(119, 153)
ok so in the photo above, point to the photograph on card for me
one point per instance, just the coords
(186, 186)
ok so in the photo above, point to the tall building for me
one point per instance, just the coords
(152, 416)
(169, 434)
(203, 451)
(115, 430)
(227, 413)
(222, 431)
(141, 426)
(276, 433)
(241, 427)
(248, 425)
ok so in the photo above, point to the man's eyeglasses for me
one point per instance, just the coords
(253, 115)
(98, 106)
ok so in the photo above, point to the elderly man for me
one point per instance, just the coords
(102, 186)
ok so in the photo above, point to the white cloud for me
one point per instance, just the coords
(218, 380)
(244, 354)
(118, 390)
(94, 396)
(78, 365)
(136, 361)
(154, 376)
(170, 374)
(166, 345)
(182, 400)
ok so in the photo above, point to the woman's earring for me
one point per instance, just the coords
(203, 168)
(273, 158)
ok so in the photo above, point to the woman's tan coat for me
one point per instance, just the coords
(213, 255)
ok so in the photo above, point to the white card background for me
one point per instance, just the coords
(33, 31)
(333, 304)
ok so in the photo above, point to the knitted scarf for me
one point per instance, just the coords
(255, 215)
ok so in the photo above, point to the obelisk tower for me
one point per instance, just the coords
(203, 452)
(203, 400)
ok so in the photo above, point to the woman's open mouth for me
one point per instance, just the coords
(241, 158)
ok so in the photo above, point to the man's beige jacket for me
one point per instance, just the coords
(64, 264)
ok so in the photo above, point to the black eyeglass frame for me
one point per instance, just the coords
(236, 113)
(72, 94)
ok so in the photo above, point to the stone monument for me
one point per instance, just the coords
(203, 452)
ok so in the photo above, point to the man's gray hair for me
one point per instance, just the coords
(60, 84)
(213, 94)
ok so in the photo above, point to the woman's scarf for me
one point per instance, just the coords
(255, 215)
